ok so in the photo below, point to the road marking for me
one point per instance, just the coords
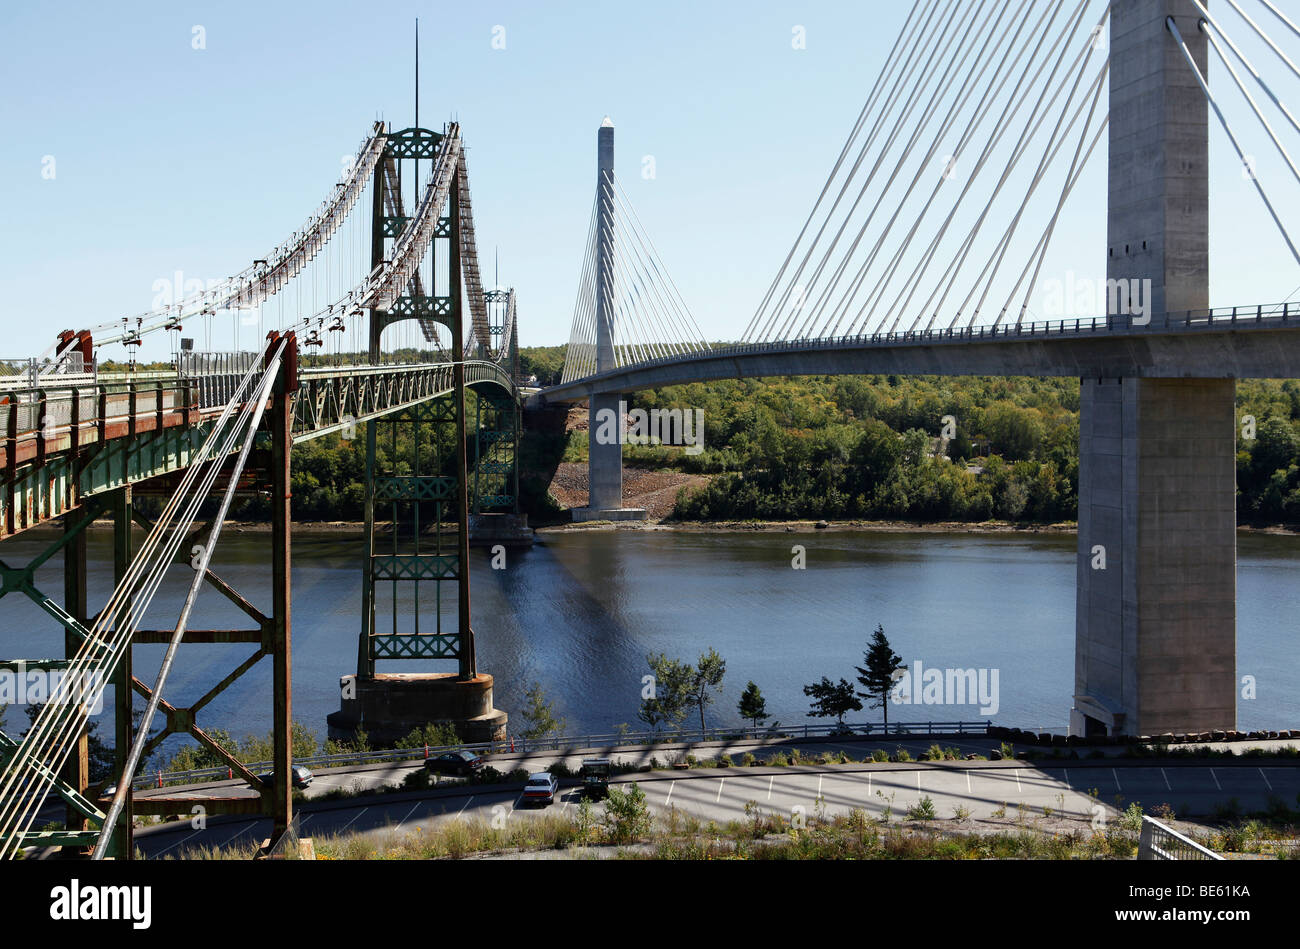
(1114, 774)
(1065, 773)
(1017, 772)
(237, 835)
(1168, 787)
(819, 784)
(918, 780)
(1216, 780)
(349, 823)
(408, 813)
(769, 786)
(670, 793)
(968, 789)
(720, 784)
(868, 785)
(178, 843)
(1267, 784)
(465, 805)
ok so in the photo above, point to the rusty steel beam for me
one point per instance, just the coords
(281, 562)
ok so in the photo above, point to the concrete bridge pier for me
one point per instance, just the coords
(605, 440)
(1155, 636)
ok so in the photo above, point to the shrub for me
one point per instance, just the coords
(626, 815)
(922, 809)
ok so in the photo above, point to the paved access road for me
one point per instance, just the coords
(1082, 789)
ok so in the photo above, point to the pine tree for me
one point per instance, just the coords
(753, 706)
(878, 676)
(830, 698)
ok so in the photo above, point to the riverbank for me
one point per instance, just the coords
(357, 528)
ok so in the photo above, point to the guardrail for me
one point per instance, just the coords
(1161, 842)
(576, 742)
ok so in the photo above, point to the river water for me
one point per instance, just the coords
(579, 612)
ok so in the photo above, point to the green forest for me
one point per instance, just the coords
(859, 447)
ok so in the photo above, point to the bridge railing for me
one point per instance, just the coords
(1161, 842)
(605, 740)
(1237, 317)
(46, 411)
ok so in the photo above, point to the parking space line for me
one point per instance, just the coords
(672, 785)
(769, 786)
(968, 787)
(177, 844)
(1114, 774)
(819, 784)
(350, 823)
(1168, 787)
(720, 784)
(465, 805)
(1267, 783)
(1216, 780)
(1018, 788)
(1066, 774)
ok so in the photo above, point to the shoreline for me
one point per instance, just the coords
(342, 528)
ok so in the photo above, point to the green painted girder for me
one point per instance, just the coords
(415, 488)
(415, 646)
(414, 566)
(69, 794)
(497, 500)
(20, 580)
(489, 436)
(393, 225)
(124, 461)
(413, 143)
(496, 467)
(57, 838)
(421, 307)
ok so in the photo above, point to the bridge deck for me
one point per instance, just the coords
(76, 437)
(1241, 342)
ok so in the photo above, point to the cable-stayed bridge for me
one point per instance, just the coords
(974, 154)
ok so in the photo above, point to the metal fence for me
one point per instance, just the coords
(1161, 842)
(571, 743)
(216, 375)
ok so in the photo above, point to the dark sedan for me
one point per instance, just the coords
(454, 762)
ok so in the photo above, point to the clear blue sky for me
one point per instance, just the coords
(171, 158)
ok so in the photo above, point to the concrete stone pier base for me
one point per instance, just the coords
(390, 705)
(1156, 626)
(582, 514)
(488, 530)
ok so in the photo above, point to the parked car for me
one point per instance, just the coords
(301, 777)
(541, 788)
(454, 762)
(595, 777)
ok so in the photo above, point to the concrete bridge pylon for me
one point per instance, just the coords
(1155, 628)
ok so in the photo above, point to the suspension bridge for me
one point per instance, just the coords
(899, 268)
(85, 441)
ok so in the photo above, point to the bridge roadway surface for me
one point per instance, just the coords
(1189, 786)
